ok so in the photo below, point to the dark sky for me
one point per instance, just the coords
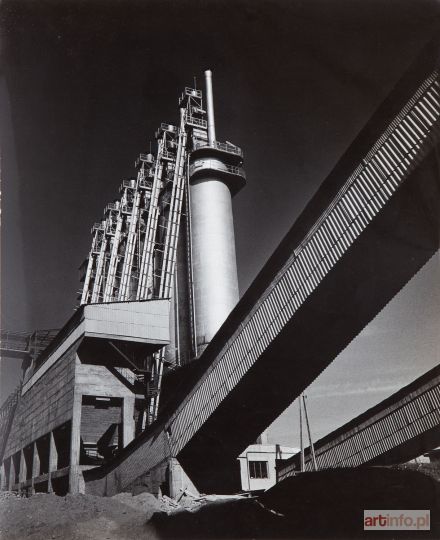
(85, 84)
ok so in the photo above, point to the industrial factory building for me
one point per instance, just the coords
(163, 376)
(159, 281)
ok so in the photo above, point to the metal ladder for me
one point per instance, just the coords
(99, 267)
(146, 267)
(169, 256)
(172, 232)
(86, 292)
(124, 290)
(114, 260)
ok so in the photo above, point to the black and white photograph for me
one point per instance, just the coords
(220, 272)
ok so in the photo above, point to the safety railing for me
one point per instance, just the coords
(217, 166)
(145, 184)
(168, 155)
(146, 158)
(98, 226)
(196, 122)
(191, 92)
(167, 127)
(127, 184)
(110, 207)
(110, 229)
(224, 147)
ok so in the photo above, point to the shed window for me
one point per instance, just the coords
(258, 469)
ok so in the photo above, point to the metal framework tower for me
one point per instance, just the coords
(134, 247)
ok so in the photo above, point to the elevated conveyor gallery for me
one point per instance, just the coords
(398, 429)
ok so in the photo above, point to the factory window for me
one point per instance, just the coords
(258, 469)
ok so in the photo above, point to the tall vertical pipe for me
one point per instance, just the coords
(210, 107)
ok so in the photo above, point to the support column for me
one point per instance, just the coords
(11, 474)
(53, 460)
(75, 442)
(3, 479)
(35, 465)
(127, 420)
(23, 469)
(179, 481)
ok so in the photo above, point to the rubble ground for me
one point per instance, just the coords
(78, 517)
(83, 517)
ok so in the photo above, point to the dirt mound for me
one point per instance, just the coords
(325, 504)
(220, 519)
(356, 489)
(75, 517)
(430, 469)
(146, 503)
(332, 502)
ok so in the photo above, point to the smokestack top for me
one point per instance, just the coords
(210, 107)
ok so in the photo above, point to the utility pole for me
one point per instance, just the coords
(312, 448)
(301, 442)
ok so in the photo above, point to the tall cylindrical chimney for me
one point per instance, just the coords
(215, 173)
(210, 107)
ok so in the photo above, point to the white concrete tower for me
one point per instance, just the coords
(216, 174)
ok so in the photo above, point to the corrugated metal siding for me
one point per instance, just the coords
(139, 320)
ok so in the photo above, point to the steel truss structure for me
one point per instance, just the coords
(134, 246)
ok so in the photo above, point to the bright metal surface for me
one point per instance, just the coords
(214, 261)
(210, 107)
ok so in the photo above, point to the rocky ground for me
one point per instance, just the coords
(74, 517)
(84, 517)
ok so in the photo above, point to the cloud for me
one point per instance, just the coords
(350, 390)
